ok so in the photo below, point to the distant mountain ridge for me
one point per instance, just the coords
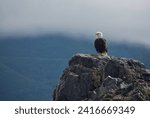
(41, 59)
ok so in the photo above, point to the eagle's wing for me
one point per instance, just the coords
(106, 45)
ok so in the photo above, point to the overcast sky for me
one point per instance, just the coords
(118, 19)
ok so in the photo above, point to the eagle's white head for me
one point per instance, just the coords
(99, 35)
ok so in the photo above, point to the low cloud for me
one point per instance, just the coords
(121, 20)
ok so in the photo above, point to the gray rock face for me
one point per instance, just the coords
(93, 77)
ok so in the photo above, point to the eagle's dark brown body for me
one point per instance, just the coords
(100, 45)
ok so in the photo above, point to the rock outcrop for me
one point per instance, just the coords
(94, 77)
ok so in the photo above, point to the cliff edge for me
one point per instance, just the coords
(94, 77)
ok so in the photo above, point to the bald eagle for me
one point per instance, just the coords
(100, 44)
